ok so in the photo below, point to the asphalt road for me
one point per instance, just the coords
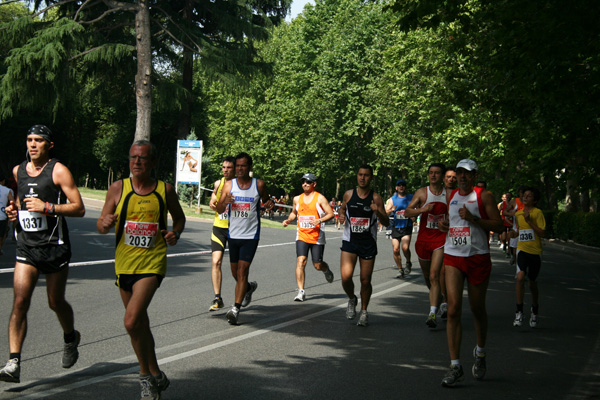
(288, 350)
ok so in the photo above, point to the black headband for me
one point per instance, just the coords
(41, 130)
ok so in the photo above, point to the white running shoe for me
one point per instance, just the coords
(11, 371)
(518, 319)
(351, 309)
(533, 320)
(300, 296)
(232, 315)
(363, 320)
(248, 296)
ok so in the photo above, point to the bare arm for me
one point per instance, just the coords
(539, 231)
(225, 199)
(342, 211)
(326, 207)
(493, 221)
(292, 215)
(213, 196)
(379, 209)
(264, 194)
(108, 218)
(414, 208)
(389, 206)
(172, 236)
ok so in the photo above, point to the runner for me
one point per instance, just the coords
(6, 196)
(401, 226)
(241, 198)
(137, 208)
(532, 228)
(514, 205)
(450, 178)
(312, 210)
(472, 214)
(430, 203)
(361, 207)
(218, 238)
(43, 247)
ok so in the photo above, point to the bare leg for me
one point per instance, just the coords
(137, 323)
(454, 286)
(477, 294)
(347, 264)
(56, 286)
(366, 289)
(25, 279)
(300, 267)
(217, 274)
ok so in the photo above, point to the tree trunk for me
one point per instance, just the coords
(185, 116)
(143, 78)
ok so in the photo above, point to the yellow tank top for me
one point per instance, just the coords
(141, 248)
(221, 220)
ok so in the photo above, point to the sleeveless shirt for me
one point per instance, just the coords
(361, 221)
(141, 248)
(244, 212)
(464, 238)
(306, 213)
(35, 229)
(221, 220)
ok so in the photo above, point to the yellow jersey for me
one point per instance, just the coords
(141, 248)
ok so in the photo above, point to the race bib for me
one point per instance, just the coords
(433, 220)
(32, 221)
(224, 216)
(400, 214)
(526, 235)
(460, 236)
(140, 234)
(240, 210)
(359, 225)
(304, 221)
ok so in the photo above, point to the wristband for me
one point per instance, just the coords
(49, 209)
(177, 234)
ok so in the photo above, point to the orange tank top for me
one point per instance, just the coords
(307, 213)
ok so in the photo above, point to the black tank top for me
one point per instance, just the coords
(360, 210)
(35, 230)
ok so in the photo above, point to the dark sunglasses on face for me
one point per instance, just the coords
(307, 181)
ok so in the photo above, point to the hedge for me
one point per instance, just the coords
(580, 227)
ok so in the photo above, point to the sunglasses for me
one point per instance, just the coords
(307, 181)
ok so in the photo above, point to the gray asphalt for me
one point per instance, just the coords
(289, 350)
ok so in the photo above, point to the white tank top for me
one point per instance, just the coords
(464, 238)
(244, 213)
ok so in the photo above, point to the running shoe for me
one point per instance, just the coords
(431, 322)
(444, 310)
(149, 388)
(11, 371)
(328, 274)
(408, 267)
(300, 296)
(351, 309)
(454, 375)
(401, 273)
(232, 315)
(363, 320)
(162, 383)
(518, 319)
(479, 366)
(533, 320)
(248, 297)
(217, 304)
(70, 352)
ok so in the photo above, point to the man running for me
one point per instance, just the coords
(450, 178)
(6, 196)
(431, 203)
(312, 210)
(46, 195)
(472, 214)
(401, 226)
(137, 207)
(218, 238)
(531, 229)
(360, 210)
(241, 197)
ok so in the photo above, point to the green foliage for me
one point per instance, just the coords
(583, 228)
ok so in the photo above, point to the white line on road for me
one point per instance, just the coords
(101, 378)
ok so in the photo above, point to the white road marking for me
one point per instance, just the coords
(101, 378)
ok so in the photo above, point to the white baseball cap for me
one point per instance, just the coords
(467, 164)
